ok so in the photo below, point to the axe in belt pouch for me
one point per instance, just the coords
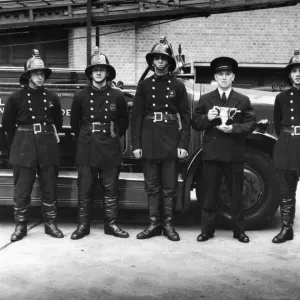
(55, 133)
(179, 121)
(112, 130)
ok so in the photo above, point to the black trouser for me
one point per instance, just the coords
(234, 177)
(24, 179)
(288, 180)
(87, 180)
(161, 178)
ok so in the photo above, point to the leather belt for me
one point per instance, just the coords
(293, 130)
(36, 128)
(96, 126)
(159, 117)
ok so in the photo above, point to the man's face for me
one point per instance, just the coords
(224, 79)
(99, 74)
(37, 77)
(295, 75)
(160, 62)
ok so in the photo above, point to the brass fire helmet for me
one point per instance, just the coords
(163, 49)
(100, 60)
(34, 63)
(295, 60)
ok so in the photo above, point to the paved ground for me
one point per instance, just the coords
(102, 267)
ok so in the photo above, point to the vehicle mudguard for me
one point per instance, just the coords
(194, 163)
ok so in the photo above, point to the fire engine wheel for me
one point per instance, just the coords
(260, 191)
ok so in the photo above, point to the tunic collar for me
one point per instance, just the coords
(294, 89)
(31, 90)
(161, 77)
(97, 89)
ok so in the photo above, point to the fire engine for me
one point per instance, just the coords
(260, 192)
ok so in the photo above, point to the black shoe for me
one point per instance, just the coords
(52, 229)
(115, 230)
(151, 231)
(170, 233)
(203, 237)
(20, 232)
(242, 237)
(81, 231)
(286, 234)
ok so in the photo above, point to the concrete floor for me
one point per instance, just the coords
(102, 267)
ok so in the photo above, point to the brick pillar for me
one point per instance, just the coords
(77, 47)
(120, 49)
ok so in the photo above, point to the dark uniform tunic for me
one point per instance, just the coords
(99, 149)
(160, 140)
(287, 149)
(31, 151)
(98, 153)
(28, 106)
(223, 153)
(287, 115)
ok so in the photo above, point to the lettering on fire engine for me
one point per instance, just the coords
(65, 112)
(1, 107)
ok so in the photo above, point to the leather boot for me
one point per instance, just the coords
(83, 227)
(49, 212)
(21, 219)
(155, 228)
(287, 210)
(168, 228)
(110, 226)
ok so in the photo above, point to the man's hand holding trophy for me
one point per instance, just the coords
(224, 113)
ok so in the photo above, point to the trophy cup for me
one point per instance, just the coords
(226, 113)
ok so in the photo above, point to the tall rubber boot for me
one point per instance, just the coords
(287, 210)
(155, 228)
(83, 226)
(21, 219)
(110, 217)
(168, 228)
(49, 212)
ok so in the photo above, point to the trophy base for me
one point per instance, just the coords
(222, 126)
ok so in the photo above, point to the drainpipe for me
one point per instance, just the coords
(88, 31)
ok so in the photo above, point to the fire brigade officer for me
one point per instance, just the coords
(286, 151)
(32, 116)
(99, 118)
(160, 135)
(223, 147)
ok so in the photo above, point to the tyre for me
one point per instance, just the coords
(260, 191)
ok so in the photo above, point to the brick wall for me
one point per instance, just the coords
(265, 36)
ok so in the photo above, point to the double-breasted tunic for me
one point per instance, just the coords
(217, 145)
(160, 140)
(287, 115)
(29, 106)
(90, 105)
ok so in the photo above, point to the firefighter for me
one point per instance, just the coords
(32, 116)
(286, 151)
(223, 147)
(160, 135)
(99, 118)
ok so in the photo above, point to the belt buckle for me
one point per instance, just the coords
(160, 114)
(37, 128)
(96, 126)
(297, 130)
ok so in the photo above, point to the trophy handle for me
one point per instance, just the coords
(217, 108)
(235, 111)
